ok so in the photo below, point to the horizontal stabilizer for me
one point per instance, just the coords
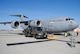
(20, 15)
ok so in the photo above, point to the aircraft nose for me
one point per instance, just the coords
(75, 24)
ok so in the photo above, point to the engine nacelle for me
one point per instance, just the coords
(36, 23)
(15, 24)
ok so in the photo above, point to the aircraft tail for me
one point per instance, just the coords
(20, 15)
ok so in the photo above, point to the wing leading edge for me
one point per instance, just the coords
(11, 22)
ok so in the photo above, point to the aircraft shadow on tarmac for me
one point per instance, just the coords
(31, 42)
(17, 33)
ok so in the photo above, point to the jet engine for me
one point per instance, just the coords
(36, 23)
(15, 24)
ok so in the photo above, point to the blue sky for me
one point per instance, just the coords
(38, 9)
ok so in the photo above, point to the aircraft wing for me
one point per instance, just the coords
(11, 22)
(5, 23)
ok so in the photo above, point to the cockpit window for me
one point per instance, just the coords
(67, 19)
(72, 19)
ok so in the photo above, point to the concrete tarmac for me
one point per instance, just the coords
(13, 42)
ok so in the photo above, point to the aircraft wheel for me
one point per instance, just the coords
(67, 34)
(26, 34)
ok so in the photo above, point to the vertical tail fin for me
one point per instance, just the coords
(20, 15)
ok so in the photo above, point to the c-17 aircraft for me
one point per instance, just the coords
(40, 28)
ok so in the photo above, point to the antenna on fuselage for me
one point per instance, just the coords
(20, 15)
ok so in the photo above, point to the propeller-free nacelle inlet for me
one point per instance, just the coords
(36, 23)
(15, 24)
